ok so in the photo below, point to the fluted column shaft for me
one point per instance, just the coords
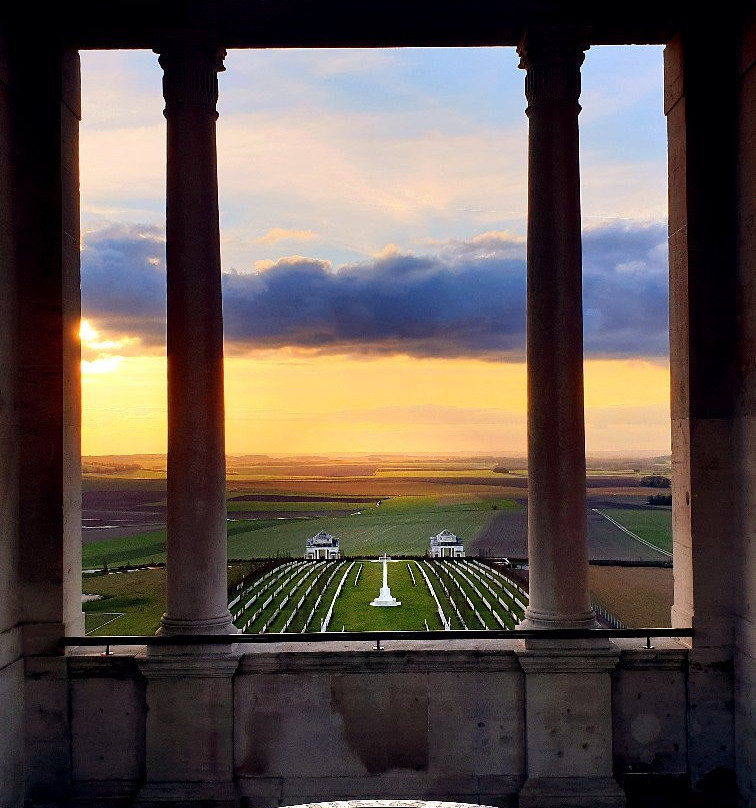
(196, 595)
(557, 550)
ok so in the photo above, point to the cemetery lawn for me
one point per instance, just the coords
(353, 609)
(654, 525)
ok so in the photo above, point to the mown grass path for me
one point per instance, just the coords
(354, 612)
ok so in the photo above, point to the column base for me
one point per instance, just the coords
(188, 795)
(538, 621)
(173, 626)
(571, 792)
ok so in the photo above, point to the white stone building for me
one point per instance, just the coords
(322, 545)
(446, 545)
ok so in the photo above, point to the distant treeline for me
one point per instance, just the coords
(108, 468)
(660, 499)
(655, 481)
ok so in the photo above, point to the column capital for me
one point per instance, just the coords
(190, 71)
(552, 58)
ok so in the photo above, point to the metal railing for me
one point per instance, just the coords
(377, 637)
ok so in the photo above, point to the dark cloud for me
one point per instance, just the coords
(467, 299)
(123, 281)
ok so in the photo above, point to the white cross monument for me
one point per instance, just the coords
(385, 598)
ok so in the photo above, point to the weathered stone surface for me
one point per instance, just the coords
(482, 714)
(569, 728)
(12, 786)
(108, 728)
(649, 712)
(190, 721)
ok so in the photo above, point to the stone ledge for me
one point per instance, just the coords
(267, 791)
(670, 659)
(571, 792)
(104, 667)
(215, 666)
(187, 795)
(386, 661)
(577, 660)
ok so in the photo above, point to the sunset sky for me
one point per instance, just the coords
(373, 209)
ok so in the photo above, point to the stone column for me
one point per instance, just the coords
(557, 549)
(44, 504)
(568, 689)
(196, 545)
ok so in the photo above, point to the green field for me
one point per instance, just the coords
(369, 534)
(140, 595)
(401, 525)
(654, 525)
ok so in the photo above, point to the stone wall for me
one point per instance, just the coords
(11, 664)
(435, 721)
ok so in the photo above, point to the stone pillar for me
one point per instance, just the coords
(713, 381)
(568, 689)
(47, 408)
(568, 729)
(190, 731)
(557, 548)
(196, 600)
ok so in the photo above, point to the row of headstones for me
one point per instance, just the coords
(256, 597)
(466, 597)
(259, 586)
(289, 572)
(608, 616)
(320, 596)
(302, 599)
(504, 605)
(261, 608)
(448, 595)
(515, 616)
(412, 575)
(445, 622)
(282, 605)
(495, 574)
(327, 619)
(491, 573)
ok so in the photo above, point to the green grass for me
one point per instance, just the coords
(140, 595)
(142, 548)
(149, 547)
(405, 532)
(654, 525)
(353, 609)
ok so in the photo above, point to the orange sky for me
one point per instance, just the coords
(290, 402)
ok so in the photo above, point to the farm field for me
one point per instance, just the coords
(275, 504)
(652, 524)
(638, 596)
